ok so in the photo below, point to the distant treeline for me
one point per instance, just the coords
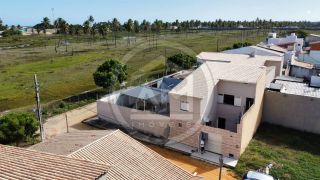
(89, 26)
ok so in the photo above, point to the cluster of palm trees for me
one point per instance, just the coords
(90, 27)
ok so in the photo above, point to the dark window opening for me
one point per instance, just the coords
(228, 99)
(221, 123)
(249, 103)
(209, 123)
(180, 124)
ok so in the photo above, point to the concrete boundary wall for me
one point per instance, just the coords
(292, 111)
(188, 133)
(146, 122)
(250, 121)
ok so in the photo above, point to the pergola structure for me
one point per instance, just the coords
(146, 95)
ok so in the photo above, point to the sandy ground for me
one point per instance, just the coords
(57, 125)
(191, 165)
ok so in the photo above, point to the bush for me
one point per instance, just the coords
(183, 60)
(11, 32)
(17, 128)
(240, 44)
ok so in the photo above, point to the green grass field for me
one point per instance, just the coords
(65, 73)
(294, 154)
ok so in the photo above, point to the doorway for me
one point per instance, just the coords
(221, 123)
(249, 103)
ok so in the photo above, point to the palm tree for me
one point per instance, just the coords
(46, 24)
(77, 29)
(115, 29)
(91, 20)
(158, 24)
(129, 27)
(145, 26)
(86, 27)
(72, 29)
(103, 28)
(136, 26)
(62, 25)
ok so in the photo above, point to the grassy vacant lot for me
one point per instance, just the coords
(295, 154)
(66, 73)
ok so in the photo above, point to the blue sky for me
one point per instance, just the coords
(29, 12)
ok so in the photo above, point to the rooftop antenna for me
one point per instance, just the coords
(52, 11)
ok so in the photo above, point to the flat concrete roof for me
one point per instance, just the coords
(254, 49)
(237, 58)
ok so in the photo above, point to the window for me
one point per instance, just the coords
(184, 106)
(180, 124)
(220, 98)
(228, 99)
(237, 101)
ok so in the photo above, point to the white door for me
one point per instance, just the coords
(214, 143)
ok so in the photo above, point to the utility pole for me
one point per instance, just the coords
(36, 89)
(67, 124)
(166, 62)
(242, 38)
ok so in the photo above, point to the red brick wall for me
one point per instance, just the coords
(315, 46)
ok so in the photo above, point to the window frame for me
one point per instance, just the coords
(186, 106)
(227, 99)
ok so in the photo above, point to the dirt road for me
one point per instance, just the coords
(57, 125)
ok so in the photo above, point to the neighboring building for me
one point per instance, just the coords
(261, 50)
(313, 57)
(129, 158)
(220, 103)
(314, 46)
(307, 63)
(25, 164)
(293, 104)
(312, 38)
(27, 31)
(254, 50)
(304, 68)
(291, 42)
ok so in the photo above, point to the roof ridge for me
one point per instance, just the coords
(51, 154)
(100, 139)
(158, 154)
